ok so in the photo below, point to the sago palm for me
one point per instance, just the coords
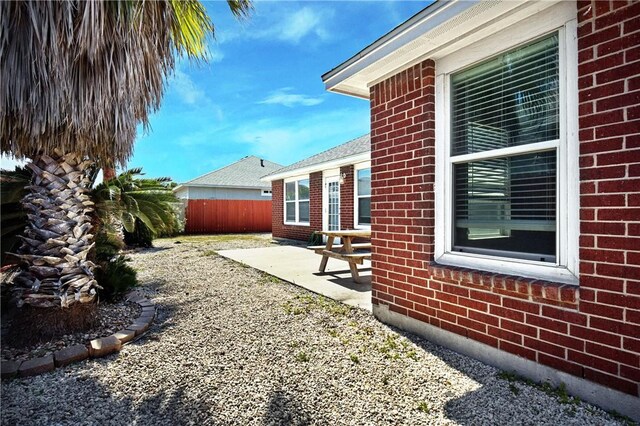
(128, 199)
(76, 78)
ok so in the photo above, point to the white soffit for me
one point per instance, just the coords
(449, 27)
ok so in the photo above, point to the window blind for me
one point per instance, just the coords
(509, 100)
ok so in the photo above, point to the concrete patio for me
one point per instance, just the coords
(299, 266)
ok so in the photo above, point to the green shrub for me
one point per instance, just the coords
(141, 236)
(116, 277)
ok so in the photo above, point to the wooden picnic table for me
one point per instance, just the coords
(345, 251)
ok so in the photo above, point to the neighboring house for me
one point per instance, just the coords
(505, 158)
(330, 191)
(230, 199)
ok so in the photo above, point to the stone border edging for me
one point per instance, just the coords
(96, 348)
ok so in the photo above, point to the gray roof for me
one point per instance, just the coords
(353, 147)
(245, 173)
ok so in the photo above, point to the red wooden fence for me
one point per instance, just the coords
(228, 216)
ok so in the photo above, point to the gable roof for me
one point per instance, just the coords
(356, 150)
(244, 173)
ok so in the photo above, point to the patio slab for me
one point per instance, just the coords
(299, 266)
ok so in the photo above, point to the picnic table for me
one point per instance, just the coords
(350, 252)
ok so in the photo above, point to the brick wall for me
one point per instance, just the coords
(297, 232)
(609, 110)
(591, 331)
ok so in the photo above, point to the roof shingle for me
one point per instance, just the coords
(245, 173)
(353, 147)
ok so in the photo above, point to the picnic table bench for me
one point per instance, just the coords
(350, 252)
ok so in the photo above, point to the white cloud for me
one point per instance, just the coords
(214, 55)
(290, 26)
(285, 141)
(302, 23)
(185, 88)
(283, 97)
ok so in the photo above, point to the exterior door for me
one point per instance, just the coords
(331, 210)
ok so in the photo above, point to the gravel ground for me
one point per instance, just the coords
(232, 345)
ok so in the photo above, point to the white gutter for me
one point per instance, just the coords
(333, 164)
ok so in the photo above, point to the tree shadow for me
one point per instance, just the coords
(284, 409)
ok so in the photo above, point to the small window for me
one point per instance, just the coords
(363, 196)
(297, 201)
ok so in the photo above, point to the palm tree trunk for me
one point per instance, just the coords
(57, 238)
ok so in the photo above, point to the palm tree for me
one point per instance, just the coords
(76, 78)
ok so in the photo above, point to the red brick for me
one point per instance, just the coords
(595, 335)
(602, 256)
(595, 38)
(473, 304)
(616, 73)
(474, 325)
(606, 228)
(619, 101)
(616, 355)
(599, 119)
(505, 335)
(506, 313)
(558, 326)
(564, 315)
(630, 373)
(618, 299)
(562, 340)
(632, 345)
(601, 310)
(600, 200)
(593, 362)
(482, 338)
(617, 327)
(453, 328)
(608, 380)
(597, 173)
(545, 347)
(520, 305)
(484, 318)
(618, 271)
(518, 350)
(560, 364)
(485, 297)
(519, 328)
(626, 185)
(603, 145)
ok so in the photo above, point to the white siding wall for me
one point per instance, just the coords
(201, 193)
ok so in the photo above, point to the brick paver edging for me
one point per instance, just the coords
(94, 349)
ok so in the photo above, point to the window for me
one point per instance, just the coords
(503, 202)
(363, 195)
(297, 201)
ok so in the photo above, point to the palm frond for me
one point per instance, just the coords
(84, 74)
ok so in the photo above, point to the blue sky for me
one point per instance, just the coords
(261, 93)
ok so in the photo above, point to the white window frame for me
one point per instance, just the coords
(296, 179)
(359, 166)
(561, 18)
